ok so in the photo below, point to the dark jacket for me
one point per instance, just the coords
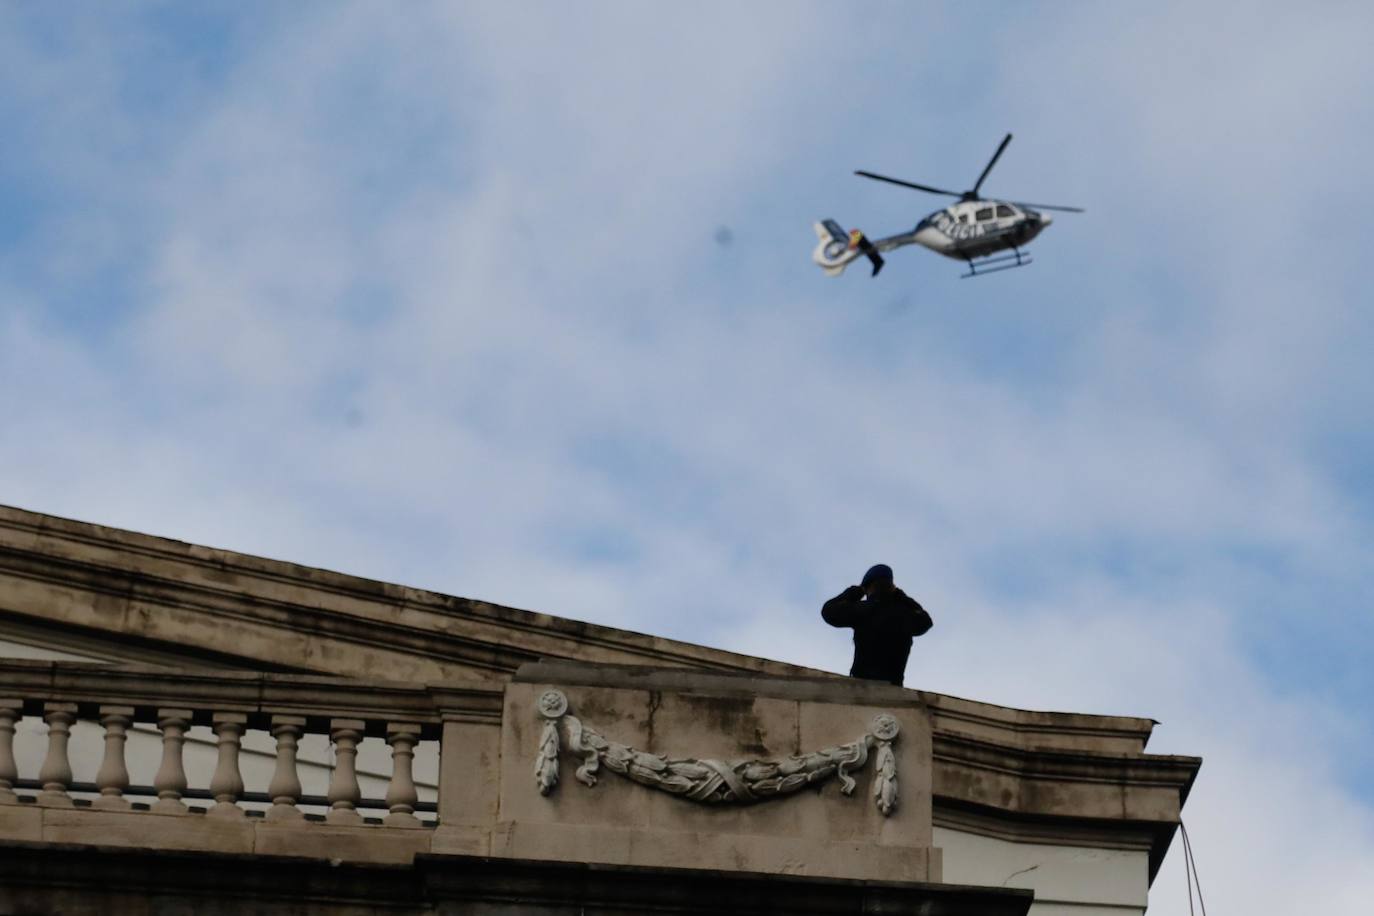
(883, 630)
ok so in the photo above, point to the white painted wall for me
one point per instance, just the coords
(1067, 880)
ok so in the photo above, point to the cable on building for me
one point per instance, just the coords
(1190, 871)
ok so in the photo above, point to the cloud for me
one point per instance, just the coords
(436, 299)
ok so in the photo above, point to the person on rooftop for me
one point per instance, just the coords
(885, 620)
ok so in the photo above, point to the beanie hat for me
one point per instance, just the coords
(880, 573)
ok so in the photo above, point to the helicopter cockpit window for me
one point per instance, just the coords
(985, 213)
(1004, 210)
(963, 217)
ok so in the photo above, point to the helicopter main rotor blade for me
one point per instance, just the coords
(908, 184)
(1050, 207)
(991, 162)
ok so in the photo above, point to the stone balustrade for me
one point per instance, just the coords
(276, 712)
(226, 785)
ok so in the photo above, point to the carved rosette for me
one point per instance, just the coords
(715, 782)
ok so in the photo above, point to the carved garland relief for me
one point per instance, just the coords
(715, 782)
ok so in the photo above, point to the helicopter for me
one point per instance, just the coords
(973, 230)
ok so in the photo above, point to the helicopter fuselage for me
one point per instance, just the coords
(977, 228)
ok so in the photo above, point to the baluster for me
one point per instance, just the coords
(113, 777)
(10, 712)
(56, 772)
(286, 781)
(343, 783)
(400, 792)
(227, 784)
(170, 780)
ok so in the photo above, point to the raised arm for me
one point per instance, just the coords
(845, 609)
(920, 619)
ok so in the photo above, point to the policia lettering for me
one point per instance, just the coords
(957, 230)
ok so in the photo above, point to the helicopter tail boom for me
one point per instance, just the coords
(837, 248)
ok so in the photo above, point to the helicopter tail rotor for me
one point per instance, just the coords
(837, 248)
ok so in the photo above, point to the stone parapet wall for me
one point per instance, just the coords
(635, 766)
(861, 752)
(718, 771)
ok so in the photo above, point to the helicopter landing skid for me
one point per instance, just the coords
(992, 265)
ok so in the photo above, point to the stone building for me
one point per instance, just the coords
(190, 730)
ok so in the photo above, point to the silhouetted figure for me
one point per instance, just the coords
(884, 620)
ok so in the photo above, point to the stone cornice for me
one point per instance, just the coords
(1064, 731)
(154, 591)
(1039, 795)
(1030, 767)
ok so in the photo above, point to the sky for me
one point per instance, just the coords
(516, 303)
